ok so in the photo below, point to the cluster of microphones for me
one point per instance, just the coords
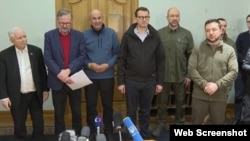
(118, 122)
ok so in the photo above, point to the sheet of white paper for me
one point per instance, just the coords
(80, 80)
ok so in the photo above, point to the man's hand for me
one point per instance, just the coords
(45, 95)
(158, 89)
(187, 82)
(63, 75)
(121, 88)
(6, 103)
(211, 88)
(98, 68)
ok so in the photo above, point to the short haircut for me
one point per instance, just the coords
(213, 21)
(247, 16)
(12, 31)
(64, 11)
(221, 19)
(141, 9)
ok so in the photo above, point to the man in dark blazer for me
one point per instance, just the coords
(64, 50)
(23, 87)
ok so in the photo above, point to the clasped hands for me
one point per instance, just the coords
(64, 76)
(98, 68)
(211, 88)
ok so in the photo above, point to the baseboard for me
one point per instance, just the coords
(6, 118)
(9, 130)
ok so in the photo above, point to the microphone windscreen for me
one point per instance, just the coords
(81, 138)
(98, 121)
(132, 129)
(117, 118)
(100, 137)
(65, 136)
(85, 132)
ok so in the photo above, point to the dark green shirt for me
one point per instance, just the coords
(229, 41)
(178, 45)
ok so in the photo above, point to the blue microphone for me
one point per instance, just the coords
(132, 129)
(98, 123)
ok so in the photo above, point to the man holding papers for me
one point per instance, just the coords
(64, 50)
(80, 80)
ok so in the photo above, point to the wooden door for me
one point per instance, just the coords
(118, 14)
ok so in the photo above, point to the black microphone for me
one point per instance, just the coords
(65, 136)
(118, 121)
(100, 137)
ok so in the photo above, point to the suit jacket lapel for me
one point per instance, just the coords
(58, 42)
(14, 61)
(31, 54)
(71, 44)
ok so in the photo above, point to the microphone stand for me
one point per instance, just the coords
(98, 130)
(120, 133)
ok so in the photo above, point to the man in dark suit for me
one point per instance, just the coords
(64, 50)
(23, 87)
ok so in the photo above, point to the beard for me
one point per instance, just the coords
(174, 24)
(215, 40)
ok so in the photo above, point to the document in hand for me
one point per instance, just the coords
(80, 80)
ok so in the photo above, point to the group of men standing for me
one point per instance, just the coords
(149, 62)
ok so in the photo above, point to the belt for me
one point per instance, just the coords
(28, 93)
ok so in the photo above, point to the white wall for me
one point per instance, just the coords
(34, 16)
(194, 13)
(38, 16)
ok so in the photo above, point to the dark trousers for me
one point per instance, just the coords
(104, 87)
(246, 102)
(59, 102)
(162, 100)
(240, 91)
(139, 96)
(28, 102)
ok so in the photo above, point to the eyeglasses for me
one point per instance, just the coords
(62, 23)
(143, 17)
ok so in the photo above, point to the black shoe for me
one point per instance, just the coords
(244, 122)
(236, 122)
(92, 137)
(127, 136)
(157, 131)
(109, 136)
(149, 137)
(108, 132)
(55, 137)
